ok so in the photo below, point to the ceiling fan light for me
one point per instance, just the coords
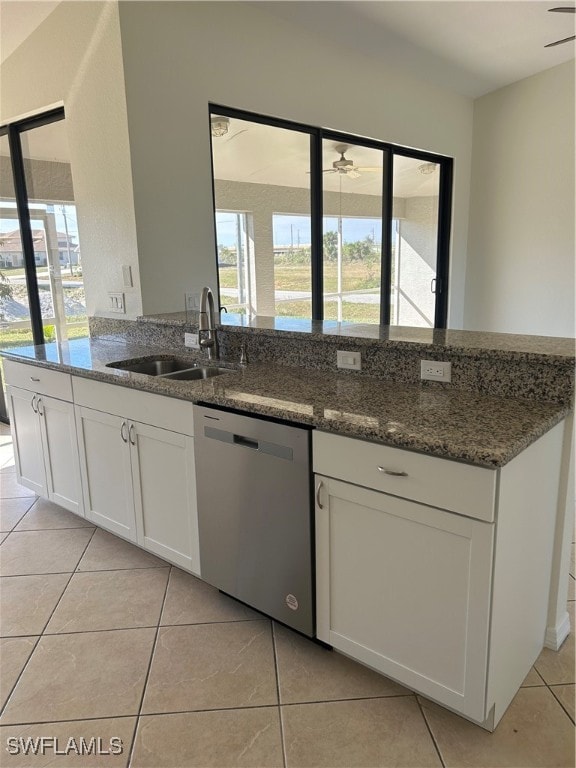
(219, 125)
(427, 168)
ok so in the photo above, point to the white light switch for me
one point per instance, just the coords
(117, 302)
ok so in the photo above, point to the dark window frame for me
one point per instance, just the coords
(389, 150)
(14, 131)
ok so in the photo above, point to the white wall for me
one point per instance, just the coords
(74, 58)
(520, 276)
(179, 56)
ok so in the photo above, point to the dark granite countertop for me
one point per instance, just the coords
(449, 423)
(427, 340)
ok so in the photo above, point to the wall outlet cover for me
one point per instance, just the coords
(435, 370)
(192, 340)
(350, 360)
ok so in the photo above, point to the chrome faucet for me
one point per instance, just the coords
(206, 329)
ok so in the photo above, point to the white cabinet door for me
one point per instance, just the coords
(106, 473)
(405, 588)
(165, 494)
(28, 453)
(58, 429)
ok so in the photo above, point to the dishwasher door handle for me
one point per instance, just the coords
(249, 442)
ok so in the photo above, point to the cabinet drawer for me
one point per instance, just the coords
(438, 482)
(145, 407)
(44, 381)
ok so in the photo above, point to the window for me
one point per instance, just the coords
(320, 225)
(43, 296)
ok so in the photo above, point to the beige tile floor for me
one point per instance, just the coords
(100, 639)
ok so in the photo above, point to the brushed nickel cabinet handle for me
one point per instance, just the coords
(123, 433)
(39, 407)
(318, 489)
(33, 403)
(392, 472)
(131, 435)
(33, 378)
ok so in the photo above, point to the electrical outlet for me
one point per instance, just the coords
(192, 340)
(435, 370)
(350, 360)
(117, 303)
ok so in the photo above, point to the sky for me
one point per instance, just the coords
(9, 224)
(294, 230)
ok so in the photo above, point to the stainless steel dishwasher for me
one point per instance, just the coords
(254, 512)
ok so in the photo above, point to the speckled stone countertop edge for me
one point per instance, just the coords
(212, 391)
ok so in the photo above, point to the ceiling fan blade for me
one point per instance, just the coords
(236, 134)
(353, 173)
(559, 42)
(565, 9)
(369, 168)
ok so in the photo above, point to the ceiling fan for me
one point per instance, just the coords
(563, 9)
(220, 126)
(346, 167)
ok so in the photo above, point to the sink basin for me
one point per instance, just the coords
(152, 366)
(197, 373)
(170, 368)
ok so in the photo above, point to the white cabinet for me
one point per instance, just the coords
(106, 471)
(138, 476)
(405, 588)
(28, 451)
(44, 431)
(452, 601)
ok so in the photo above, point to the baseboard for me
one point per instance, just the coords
(555, 636)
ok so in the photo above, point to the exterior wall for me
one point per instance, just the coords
(416, 261)
(181, 56)
(520, 276)
(74, 58)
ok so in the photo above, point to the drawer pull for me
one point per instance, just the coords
(392, 472)
(33, 378)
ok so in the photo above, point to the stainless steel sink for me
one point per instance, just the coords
(152, 366)
(197, 373)
(169, 368)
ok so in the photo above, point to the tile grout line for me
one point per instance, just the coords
(277, 675)
(436, 746)
(2, 711)
(213, 709)
(145, 714)
(66, 587)
(147, 677)
(561, 704)
(43, 530)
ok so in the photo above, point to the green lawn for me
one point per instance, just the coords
(296, 277)
(357, 276)
(19, 337)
